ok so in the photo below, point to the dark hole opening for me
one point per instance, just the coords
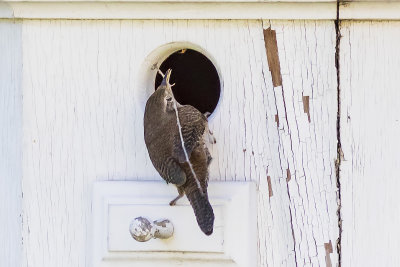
(195, 77)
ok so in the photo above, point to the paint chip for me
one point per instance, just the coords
(328, 250)
(288, 175)
(269, 186)
(306, 106)
(271, 47)
(277, 120)
(328, 247)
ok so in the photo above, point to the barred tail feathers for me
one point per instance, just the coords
(202, 210)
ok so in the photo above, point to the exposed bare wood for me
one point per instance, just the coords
(271, 48)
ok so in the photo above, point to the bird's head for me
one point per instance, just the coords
(164, 90)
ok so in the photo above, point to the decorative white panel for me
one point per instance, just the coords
(233, 242)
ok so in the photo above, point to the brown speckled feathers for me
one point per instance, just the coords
(162, 132)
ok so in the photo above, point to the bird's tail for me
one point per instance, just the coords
(202, 210)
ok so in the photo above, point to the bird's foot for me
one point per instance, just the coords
(211, 138)
(173, 202)
(207, 114)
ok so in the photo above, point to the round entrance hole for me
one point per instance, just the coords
(196, 79)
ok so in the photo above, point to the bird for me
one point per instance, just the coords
(176, 138)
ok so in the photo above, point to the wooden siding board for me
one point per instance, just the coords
(370, 127)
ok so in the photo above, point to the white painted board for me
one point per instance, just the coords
(212, 9)
(370, 130)
(10, 143)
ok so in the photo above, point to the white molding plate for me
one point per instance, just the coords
(117, 203)
(66, 9)
(200, 9)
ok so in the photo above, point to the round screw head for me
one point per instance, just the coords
(141, 229)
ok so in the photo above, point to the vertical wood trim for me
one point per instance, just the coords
(10, 143)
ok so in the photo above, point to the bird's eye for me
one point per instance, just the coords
(169, 98)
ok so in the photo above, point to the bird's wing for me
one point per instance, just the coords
(193, 125)
(165, 163)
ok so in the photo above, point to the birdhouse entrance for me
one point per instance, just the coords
(196, 79)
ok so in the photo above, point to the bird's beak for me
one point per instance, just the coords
(165, 81)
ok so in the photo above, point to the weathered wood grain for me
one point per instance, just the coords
(301, 149)
(370, 129)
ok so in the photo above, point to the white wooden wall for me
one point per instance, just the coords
(80, 121)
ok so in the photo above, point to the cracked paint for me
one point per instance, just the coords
(306, 106)
(277, 120)
(304, 144)
(269, 186)
(339, 155)
(328, 250)
(288, 175)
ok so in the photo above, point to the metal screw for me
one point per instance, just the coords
(143, 230)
